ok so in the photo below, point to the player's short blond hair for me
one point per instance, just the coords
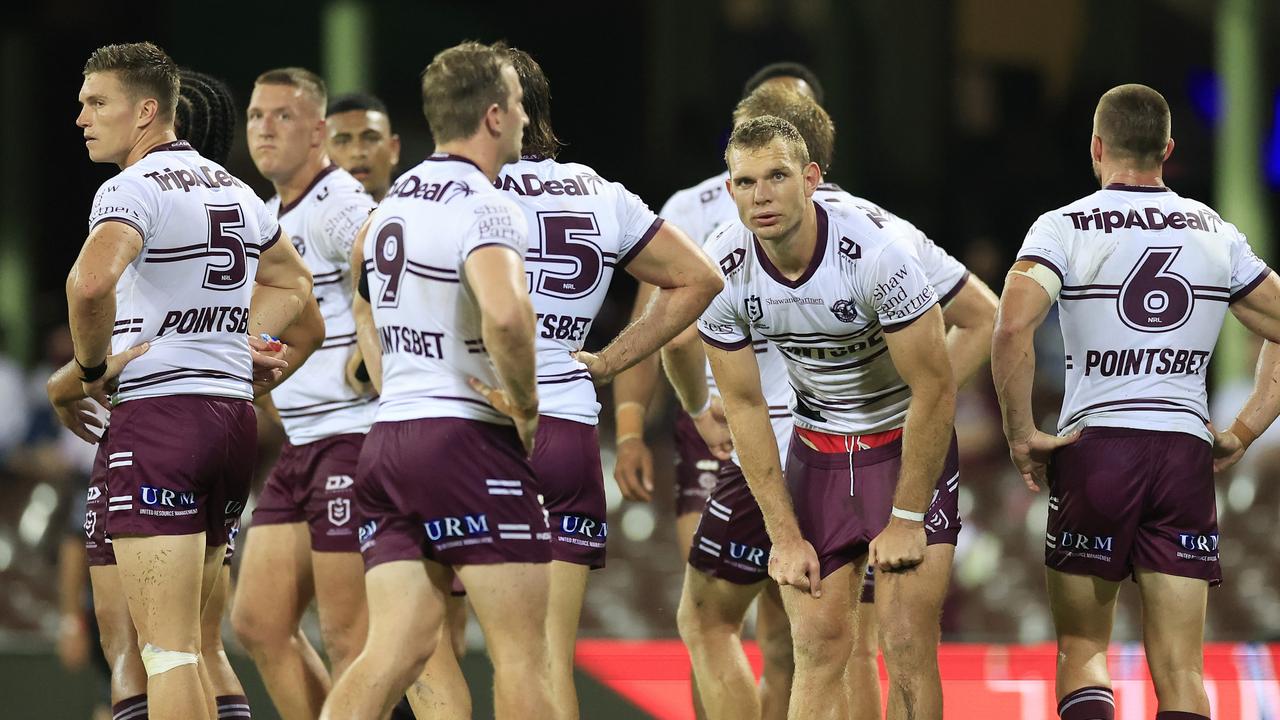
(311, 84)
(459, 87)
(760, 131)
(810, 120)
(1134, 123)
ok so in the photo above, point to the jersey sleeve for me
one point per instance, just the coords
(333, 231)
(684, 211)
(1247, 269)
(722, 326)
(896, 288)
(1043, 245)
(268, 226)
(131, 200)
(946, 274)
(637, 223)
(495, 220)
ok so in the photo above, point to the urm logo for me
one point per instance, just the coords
(166, 497)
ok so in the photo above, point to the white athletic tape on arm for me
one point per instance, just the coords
(907, 514)
(1044, 277)
(158, 661)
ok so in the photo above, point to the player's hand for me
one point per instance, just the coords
(1031, 455)
(100, 390)
(73, 643)
(268, 363)
(793, 561)
(525, 419)
(78, 417)
(357, 374)
(713, 426)
(601, 373)
(1227, 449)
(633, 469)
(899, 547)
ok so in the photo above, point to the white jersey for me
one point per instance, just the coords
(702, 204)
(700, 209)
(316, 402)
(581, 229)
(864, 281)
(187, 293)
(428, 321)
(1147, 276)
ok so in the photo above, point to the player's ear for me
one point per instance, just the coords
(812, 177)
(395, 150)
(1095, 148)
(493, 120)
(1168, 150)
(147, 111)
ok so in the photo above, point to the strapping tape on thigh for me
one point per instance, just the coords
(158, 661)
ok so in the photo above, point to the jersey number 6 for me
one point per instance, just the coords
(1154, 298)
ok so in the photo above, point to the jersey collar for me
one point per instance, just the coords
(819, 250)
(448, 157)
(175, 146)
(1137, 188)
(314, 181)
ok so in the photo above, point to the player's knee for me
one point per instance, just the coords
(694, 620)
(777, 651)
(116, 637)
(158, 660)
(822, 642)
(907, 644)
(256, 631)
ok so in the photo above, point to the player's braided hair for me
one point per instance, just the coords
(784, 69)
(206, 115)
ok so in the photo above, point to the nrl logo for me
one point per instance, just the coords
(755, 311)
(844, 311)
(339, 511)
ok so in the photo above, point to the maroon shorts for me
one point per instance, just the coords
(458, 492)
(1122, 498)
(315, 484)
(178, 465)
(840, 513)
(566, 463)
(730, 542)
(697, 469)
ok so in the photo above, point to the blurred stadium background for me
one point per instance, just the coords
(968, 117)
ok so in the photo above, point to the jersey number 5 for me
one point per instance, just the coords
(1154, 298)
(575, 261)
(228, 269)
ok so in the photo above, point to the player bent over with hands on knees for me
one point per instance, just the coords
(177, 470)
(728, 564)
(864, 343)
(1143, 278)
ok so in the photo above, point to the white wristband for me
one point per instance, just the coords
(705, 407)
(907, 514)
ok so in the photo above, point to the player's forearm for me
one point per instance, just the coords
(685, 363)
(367, 339)
(1013, 368)
(926, 437)
(64, 384)
(508, 334)
(275, 307)
(968, 349)
(1263, 405)
(633, 387)
(758, 454)
(92, 314)
(304, 336)
(671, 311)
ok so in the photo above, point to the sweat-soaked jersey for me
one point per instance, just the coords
(582, 228)
(864, 280)
(188, 291)
(1147, 276)
(426, 314)
(316, 402)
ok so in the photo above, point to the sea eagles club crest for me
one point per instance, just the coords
(844, 311)
(755, 311)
